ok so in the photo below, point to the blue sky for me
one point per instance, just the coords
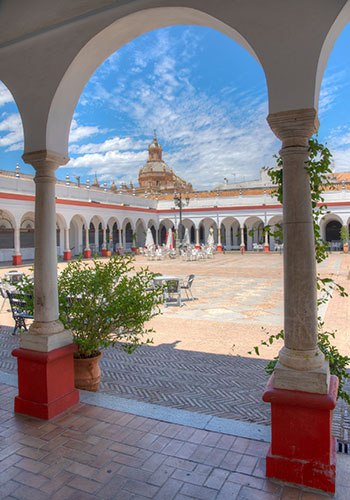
(205, 96)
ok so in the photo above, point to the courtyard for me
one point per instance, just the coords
(179, 419)
(199, 359)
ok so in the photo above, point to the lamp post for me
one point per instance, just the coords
(180, 203)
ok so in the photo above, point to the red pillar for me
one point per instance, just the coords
(87, 254)
(266, 248)
(302, 449)
(16, 260)
(67, 255)
(45, 382)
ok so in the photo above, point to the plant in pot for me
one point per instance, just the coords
(344, 236)
(104, 303)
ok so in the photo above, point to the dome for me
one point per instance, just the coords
(155, 166)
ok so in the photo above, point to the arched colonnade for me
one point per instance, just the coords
(47, 57)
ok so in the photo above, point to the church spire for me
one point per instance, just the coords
(155, 150)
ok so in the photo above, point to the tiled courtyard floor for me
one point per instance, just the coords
(198, 362)
(199, 359)
(94, 453)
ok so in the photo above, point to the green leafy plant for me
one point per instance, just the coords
(318, 167)
(344, 235)
(105, 303)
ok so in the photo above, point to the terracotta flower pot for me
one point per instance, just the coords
(87, 373)
(345, 248)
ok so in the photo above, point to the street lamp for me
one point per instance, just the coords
(180, 203)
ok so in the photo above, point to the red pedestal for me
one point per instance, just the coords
(302, 449)
(242, 248)
(87, 254)
(104, 252)
(67, 255)
(219, 248)
(198, 247)
(266, 248)
(346, 248)
(16, 260)
(133, 249)
(120, 251)
(45, 382)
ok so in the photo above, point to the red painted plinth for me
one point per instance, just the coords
(266, 248)
(242, 248)
(120, 251)
(67, 255)
(104, 252)
(45, 382)
(219, 248)
(302, 449)
(133, 249)
(16, 260)
(87, 254)
(346, 248)
(198, 247)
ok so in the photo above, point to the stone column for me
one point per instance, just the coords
(266, 244)
(301, 364)
(197, 238)
(104, 245)
(157, 236)
(67, 255)
(17, 257)
(242, 245)
(120, 234)
(302, 393)
(46, 351)
(96, 239)
(219, 245)
(87, 250)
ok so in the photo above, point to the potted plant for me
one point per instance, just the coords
(134, 239)
(104, 303)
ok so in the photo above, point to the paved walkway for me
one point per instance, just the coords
(94, 453)
(199, 359)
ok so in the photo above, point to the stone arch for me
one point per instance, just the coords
(204, 227)
(76, 234)
(164, 226)
(330, 226)
(60, 225)
(7, 227)
(140, 231)
(276, 226)
(27, 234)
(255, 231)
(189, 224)
(96, 233)
(230, 234)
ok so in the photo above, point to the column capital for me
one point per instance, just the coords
(45, 159)
(294, 127)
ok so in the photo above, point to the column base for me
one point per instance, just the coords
(104, 252)
(197, 247)
(302, 449)
(133, 249)
(87, 254)
(45, 382)
(120, 251)
(16, 260)
(67, 255)
(266, 248)
(219, 248)
(242, 248)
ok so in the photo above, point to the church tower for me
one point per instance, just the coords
(155, 150)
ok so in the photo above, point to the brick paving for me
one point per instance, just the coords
(93, 453)
(192, 365)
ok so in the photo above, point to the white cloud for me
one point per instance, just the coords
(11, 132)
(79, 132)
(339, 145)
(206, 136)
(5, 95)
(330, 90)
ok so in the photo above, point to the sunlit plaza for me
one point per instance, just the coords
(197, 372)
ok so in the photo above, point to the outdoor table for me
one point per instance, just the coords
(164, 279)
(13, 276)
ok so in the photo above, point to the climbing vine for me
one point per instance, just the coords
(318, 167)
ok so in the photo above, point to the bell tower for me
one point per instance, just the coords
(155, 150)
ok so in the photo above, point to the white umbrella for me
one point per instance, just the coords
(169, 240)
(210, 240)
(187, 240)
(149, 239)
